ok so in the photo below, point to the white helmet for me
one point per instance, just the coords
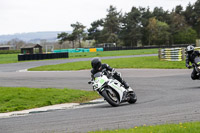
(190, 49)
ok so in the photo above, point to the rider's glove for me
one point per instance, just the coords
(189, 67)
(118, 73)
(113, 71)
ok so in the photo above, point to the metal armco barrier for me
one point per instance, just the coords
(172, 54)
(23, 57)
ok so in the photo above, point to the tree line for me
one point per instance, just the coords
(141, 26)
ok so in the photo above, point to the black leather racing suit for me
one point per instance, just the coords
(190, 58)
(116, 75)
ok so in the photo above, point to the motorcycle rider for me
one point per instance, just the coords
(191, 55)
(97, 66)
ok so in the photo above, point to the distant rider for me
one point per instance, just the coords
(191, 55)
(97, 66)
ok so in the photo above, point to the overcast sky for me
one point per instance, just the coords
(18, 16)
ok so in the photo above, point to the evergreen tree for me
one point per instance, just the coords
(146, 14)
(72, 38)
(179, 10)
(62, 38)
(160, 14)
(185, 36)
(78, 31)
(189, 15)
(111, 26)
(148, 27)
(192, 15)
(197, 17)
(95, 31)
(131, 28)
(177, 24)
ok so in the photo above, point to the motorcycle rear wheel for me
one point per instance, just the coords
(112, 99)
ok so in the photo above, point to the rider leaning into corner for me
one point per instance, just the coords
(97, 66)
(191, 55)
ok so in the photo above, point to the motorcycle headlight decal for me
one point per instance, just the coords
(102, 81)
(96, 86)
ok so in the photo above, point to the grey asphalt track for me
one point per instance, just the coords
(164, 96)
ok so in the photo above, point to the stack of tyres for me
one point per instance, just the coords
(99, 49)
(93, 50)
(171, 54)
(71, 50)
(28, 57)
(23, 57)
(86, 50)
(64, 50)
(78, 50)
(57, 51)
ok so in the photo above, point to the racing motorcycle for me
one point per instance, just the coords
(111, 89)
(196, 65)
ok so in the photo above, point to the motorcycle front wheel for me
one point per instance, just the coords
(133, 98)
(111, 97)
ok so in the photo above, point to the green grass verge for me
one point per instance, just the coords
(8, 58)
(20, 98)
(135, 62)
(189, 127)
(12, 58)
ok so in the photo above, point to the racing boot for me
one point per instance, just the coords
(126, 86)
(198, 76)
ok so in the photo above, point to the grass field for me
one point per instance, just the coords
(190, 127)
(8, 58)
(12, 58)
(135, 62)
(20, 98)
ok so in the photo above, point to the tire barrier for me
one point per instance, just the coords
(197, 49)
(198, 42)
(79, 50)
(172, 54)
(93, 50)
(23, 57)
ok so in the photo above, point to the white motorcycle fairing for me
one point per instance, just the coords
(113, 83)
(117, 86)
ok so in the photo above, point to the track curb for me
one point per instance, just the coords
(48, 108)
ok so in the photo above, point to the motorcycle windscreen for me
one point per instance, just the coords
(97, 75)
(197, 60)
